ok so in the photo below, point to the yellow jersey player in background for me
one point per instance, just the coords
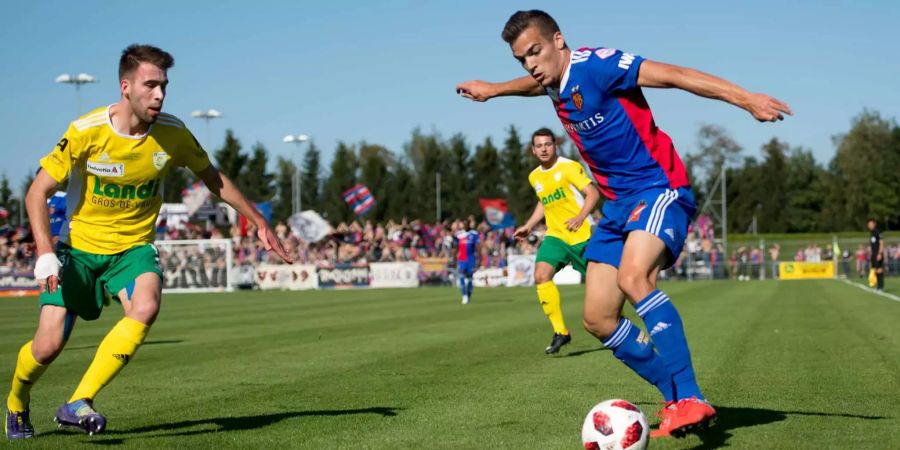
(559, 184)
(115, 158)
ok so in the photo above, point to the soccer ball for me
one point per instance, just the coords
(615, 425)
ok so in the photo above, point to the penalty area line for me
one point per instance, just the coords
(872, 291)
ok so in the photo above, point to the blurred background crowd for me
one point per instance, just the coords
(358, 243)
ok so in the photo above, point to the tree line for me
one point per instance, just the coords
(784, 189)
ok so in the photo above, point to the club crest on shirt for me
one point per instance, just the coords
(577, 99)
(160, 159)
(636, 212)
(538, 187)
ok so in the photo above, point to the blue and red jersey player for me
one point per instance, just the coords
(597, 95)
(635, 163)
(466, 257)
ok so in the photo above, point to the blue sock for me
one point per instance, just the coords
(470, 286)
(462, 285)
(634, 349)
(667, 332)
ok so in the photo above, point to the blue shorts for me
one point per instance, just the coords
(466, 268)
(664, 213)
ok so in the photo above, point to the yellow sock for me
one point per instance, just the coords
(28, 370)
(117, 348)
(548, 295)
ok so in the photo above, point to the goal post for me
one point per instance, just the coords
(196, 265)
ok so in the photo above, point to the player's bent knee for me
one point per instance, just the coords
(541, 278)
(600, 327)
(144, 309)
(633, 283)
(46, 350)
(144, 313)
(543, 273)
(144, 302)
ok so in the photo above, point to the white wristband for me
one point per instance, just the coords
(47, 265)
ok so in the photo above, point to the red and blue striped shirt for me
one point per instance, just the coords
(604, 111)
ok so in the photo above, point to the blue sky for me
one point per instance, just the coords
(373, 71)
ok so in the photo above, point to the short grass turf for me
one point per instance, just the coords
(802, 364)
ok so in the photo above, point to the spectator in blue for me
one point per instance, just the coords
(57, 207)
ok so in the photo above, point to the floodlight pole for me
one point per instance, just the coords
(207, 115)
(724, 212)
(77, 81)
(296, 203)
(437, 196)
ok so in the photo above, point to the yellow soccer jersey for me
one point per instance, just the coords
(559, 191)
(114, 195)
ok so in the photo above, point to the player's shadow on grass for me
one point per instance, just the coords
(585, 351)
(223, 424)
(729, 418)
(157, 342)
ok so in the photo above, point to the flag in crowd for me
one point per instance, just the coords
(496, 213)
(264, 209)
(360, 199)
(309, 226)
(194, 196)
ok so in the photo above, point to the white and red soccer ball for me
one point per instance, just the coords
(615, 425)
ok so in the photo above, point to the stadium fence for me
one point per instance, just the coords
(208, 266)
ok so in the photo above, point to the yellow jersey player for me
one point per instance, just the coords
(559, 184)
(115, 158)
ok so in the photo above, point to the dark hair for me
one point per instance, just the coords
(135, 54)
(521, 20)
(543, 132)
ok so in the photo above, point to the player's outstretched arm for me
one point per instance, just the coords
(536, 216)
(591, 198)
(764, 108)
(47, 265)
(482, 91)
(224, 188)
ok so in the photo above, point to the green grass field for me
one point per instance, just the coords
(806, 364)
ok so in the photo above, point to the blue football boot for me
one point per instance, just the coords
(80, 414)
(18, 425)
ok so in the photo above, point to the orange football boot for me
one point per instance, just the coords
(666, 413)
(685, 416)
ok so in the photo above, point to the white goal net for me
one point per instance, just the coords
(196, 265)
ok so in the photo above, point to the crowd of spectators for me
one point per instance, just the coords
(359, 243)
(16, 250)
(354, 243)
(703, 257)
(863, 257)
(362, 243)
